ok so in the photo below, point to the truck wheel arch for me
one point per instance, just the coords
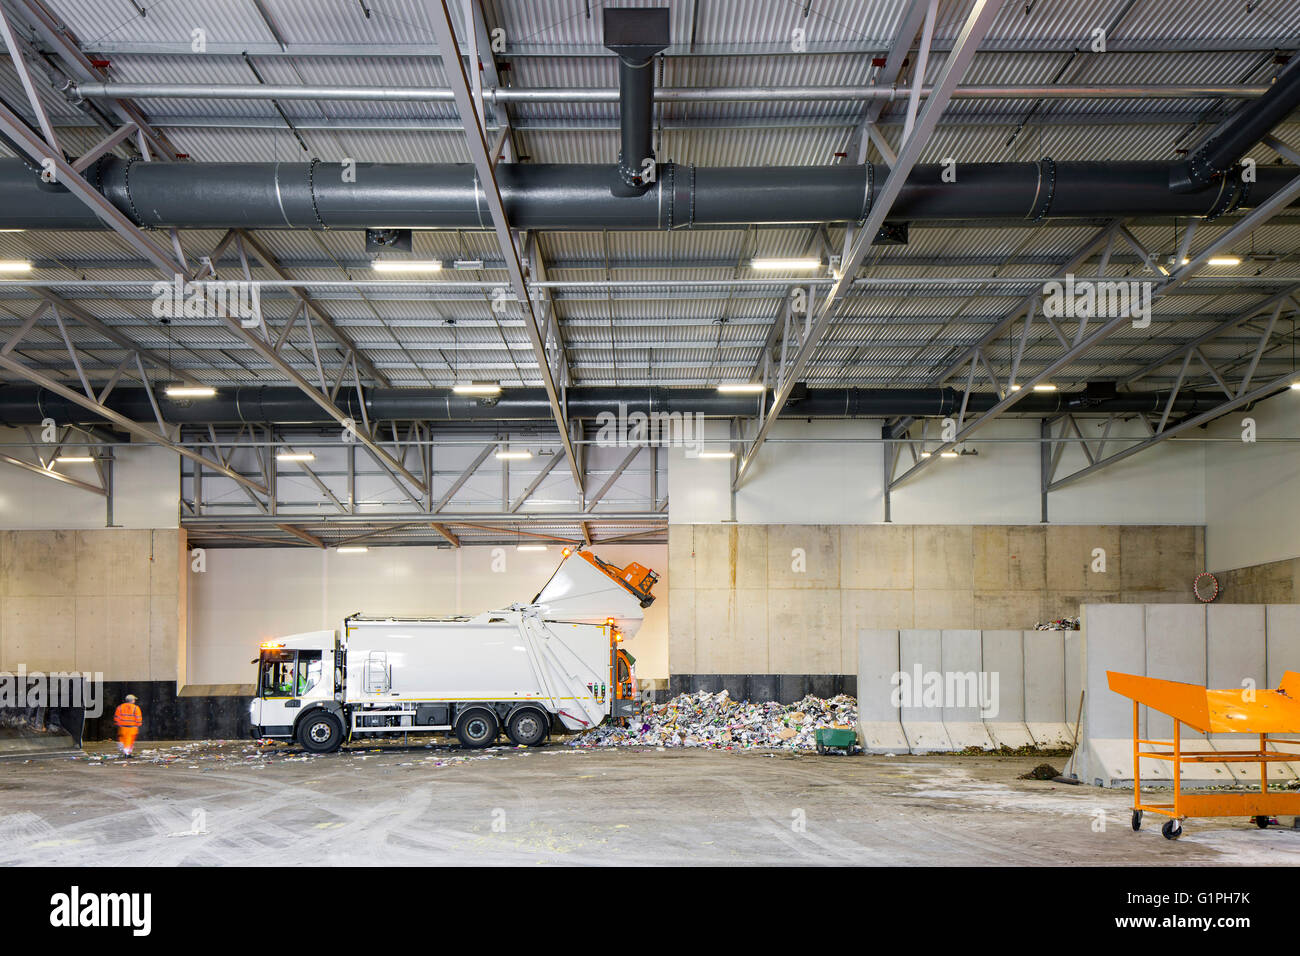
(330, 707)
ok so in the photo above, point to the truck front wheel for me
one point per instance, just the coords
(527, 727)
(477, 727)
(320, 733)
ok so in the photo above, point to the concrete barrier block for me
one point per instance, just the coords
(1045, 688)
(921, 654)
(879, 728)
(1003, 654)
(1282, 629)
(1235, 652)
(1175, 636)
(965, 687)
(1114, 637)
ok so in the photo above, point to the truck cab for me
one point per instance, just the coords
(296, 678)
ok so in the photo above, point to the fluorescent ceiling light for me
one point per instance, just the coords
(1218, 261)
(785, 263)
(1015, 388)
(531, 547)
(406, 265)
(13, 230)
(947, 454)
(1044, 387)
(294, 456)
(467, 264)
(477, 388)
(189, 391)
(504, 455)
(717, 454)
(74, 459)
(351, 549)
(745, 388)
(15, 265)
(925, 454)
(1296, 386)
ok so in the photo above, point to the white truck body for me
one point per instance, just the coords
(557, 658)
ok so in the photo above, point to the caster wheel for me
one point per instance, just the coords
(1172, 830)
(821, 748)
(1137, 820)
(1262, 822)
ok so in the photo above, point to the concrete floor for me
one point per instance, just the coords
(559, 805)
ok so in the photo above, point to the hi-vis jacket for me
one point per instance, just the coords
(128, 715)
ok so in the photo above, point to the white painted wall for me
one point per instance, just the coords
(1251, 490)
(825, 481)
(251, 595)
(146, 486)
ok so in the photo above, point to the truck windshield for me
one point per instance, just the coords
(276, 677)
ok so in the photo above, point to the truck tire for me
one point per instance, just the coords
(477, 727)
(528, 727)
(320, 732)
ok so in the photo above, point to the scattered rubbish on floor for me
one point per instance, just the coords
(1044, 771)
(1060, 624)
(718, 722)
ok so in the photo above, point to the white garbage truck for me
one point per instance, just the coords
(559, 658)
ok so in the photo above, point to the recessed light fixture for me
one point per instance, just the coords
(785, 264)
(74, 459)
(717, 454)
(406, 265)
(294, 456)
(531, 547)
(504, 455)
(15, 265)
(189, 391)
(741, 388)
(476, 388)
(353, 549)
(1044, 387)
(467, 264)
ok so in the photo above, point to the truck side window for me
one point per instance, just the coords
(309, 671)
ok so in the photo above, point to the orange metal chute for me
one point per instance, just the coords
(637, 578)
(1230, 711)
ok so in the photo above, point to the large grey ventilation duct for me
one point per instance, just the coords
(28, 405)
(316, 195)
(1220, 151)
(636, 36)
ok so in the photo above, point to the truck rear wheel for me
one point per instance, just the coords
(527, 727)
(320, 732)
(477, 727)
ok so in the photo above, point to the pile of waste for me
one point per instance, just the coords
(717, 722)
(1061, 624)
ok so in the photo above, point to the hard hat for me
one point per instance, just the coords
(131, 697)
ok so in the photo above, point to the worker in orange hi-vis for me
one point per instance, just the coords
(128, 718)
